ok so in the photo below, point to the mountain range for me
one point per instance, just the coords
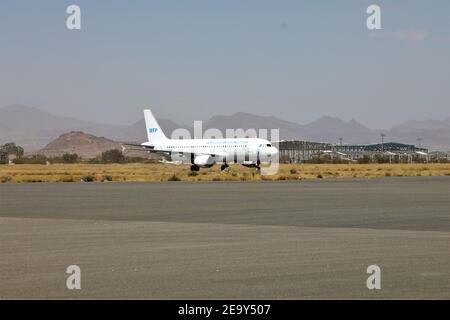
(33, 129)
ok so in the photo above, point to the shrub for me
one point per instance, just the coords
(364, 159)
(174, 178)
(88, 178)
(69, 158)
(113, 156)
(193, 173)
(5, 179)
(293, 171)
(107, 178)
(134, 159)
(95, 160)
(10, 149)
(231, 171)
(34, 159)
(319, 176)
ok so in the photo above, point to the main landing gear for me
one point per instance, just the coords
(258, 165)
(224, 166)
(194, 167)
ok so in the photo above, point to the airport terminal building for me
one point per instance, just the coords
(296, 151)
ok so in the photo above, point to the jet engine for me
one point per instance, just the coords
(205, 161)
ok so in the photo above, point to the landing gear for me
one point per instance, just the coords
(253, 165)
(195, 168)
(223, 167)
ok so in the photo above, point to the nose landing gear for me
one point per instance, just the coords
(224, 166)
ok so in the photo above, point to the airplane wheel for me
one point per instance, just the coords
(195, 168)
(223, 167)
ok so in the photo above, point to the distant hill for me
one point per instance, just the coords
(247, 121)
(326, 129)
(33, 129)
(83, 144)
(434, 133)
(330, 129)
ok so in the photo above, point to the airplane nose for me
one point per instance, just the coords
(274, 151)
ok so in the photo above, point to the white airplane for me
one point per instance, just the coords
(204, 153)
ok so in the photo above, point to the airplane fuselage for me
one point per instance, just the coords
(207, 152)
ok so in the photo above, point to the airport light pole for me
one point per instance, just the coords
(382, 142)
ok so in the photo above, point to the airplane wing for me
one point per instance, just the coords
(197, 154)
(215, 154)
(192, 155)
(135, 146)
(140, 147)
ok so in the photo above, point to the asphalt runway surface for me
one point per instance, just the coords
(232, 240)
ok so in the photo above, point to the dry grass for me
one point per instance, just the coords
(168, 172)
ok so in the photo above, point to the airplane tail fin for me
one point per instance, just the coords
(154, 131)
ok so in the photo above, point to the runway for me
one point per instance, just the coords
(238, 240)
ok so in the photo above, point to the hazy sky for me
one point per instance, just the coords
(297, 60)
